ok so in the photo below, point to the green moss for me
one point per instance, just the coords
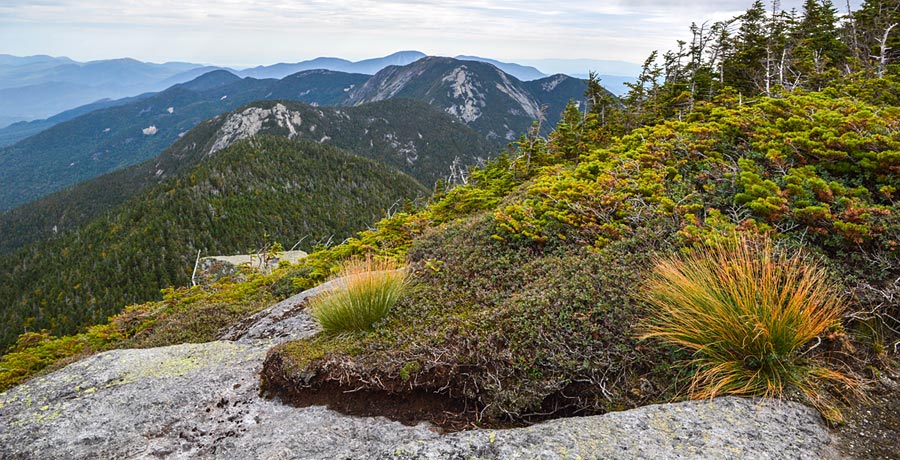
(301, 354)
(409, 369)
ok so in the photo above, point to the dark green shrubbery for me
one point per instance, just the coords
(516, 330)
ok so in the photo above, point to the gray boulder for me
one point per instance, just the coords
(285, 321)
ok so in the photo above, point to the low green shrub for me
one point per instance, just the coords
(746, 312)
(362, 294)
(519, 332)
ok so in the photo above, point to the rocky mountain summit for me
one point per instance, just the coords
(202, 401)
(477, 93)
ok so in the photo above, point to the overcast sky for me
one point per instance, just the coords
(253, 32)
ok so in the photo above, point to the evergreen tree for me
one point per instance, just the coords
(642, 101)
(603, 108)
(747, 70)
(820, 52)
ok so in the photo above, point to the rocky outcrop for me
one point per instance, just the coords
(724, 428)
(202, 401)
(251, 121)
(213, 268)
(186, 401)
(179, 402)
(286, 320)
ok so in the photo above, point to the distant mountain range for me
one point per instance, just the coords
(40, 86)
(576, 67)
(81, 147)
(368, 66)
(36, 87)
(406, 135)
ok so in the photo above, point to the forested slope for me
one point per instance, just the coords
(257, 191)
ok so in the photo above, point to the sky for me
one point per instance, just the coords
(244, 33)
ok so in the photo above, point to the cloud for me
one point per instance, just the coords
(261, 31)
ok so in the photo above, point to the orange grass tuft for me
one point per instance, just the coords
(745, 312)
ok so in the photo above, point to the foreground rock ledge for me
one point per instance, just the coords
(724, 428)
(201, 401)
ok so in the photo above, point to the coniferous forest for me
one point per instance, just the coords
(254, 193)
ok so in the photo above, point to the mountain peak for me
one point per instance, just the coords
(116, 61)
(407, 53)
(524, 73)
(210, 80)
(477, 93)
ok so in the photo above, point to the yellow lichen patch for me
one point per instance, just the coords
(170, 368)
(42, 415)
(179, 363)
(43, 418)
(661, 423)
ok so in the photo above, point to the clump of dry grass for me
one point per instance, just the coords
(363, 293)
(745, 312)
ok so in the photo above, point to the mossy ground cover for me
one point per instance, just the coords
(514, 331)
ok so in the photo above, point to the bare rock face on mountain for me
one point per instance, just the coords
(478, 94)
(202, 401)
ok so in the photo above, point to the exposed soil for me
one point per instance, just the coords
(407, 408)
(872, 429)
(410, 407)
(399, 401)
